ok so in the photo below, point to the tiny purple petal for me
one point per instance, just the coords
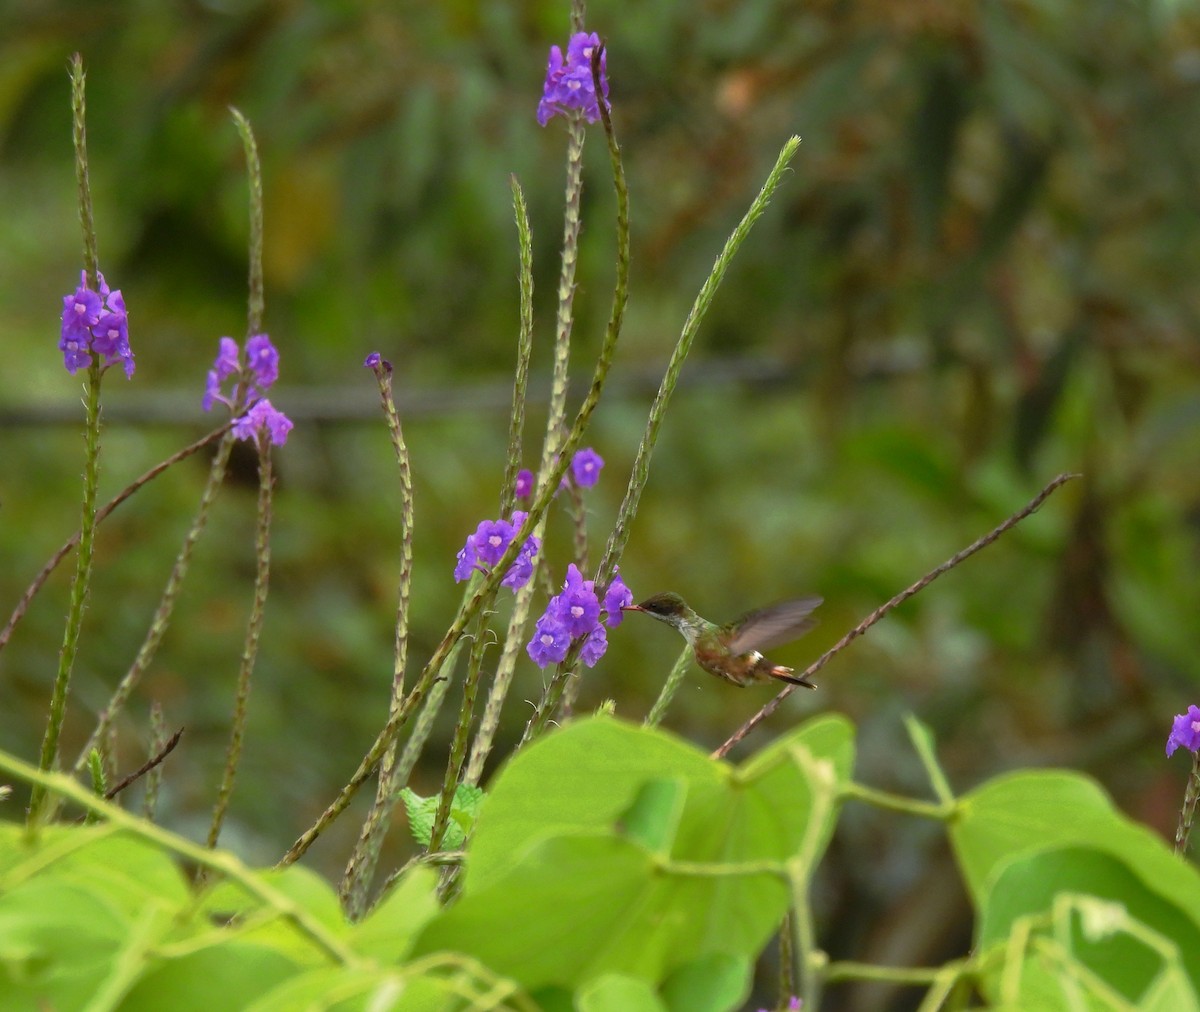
(263, 360)
(465, 565)
(262, 417)
(594, 646)
(491, 540)
(585, 467)
(524, 483)
(615, 598)
(228, 358)
(1185, 731)
(109, 334)
(550, 642)
(377, 361)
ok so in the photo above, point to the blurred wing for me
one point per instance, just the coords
(769, 627)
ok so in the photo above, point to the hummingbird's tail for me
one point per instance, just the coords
(789, 675)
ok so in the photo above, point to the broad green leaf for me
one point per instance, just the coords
(653, 818)
(1025, 811)
(259, 922)
(1029, 885)
(57, 943)
(122, 867)
(201, 980)
(387, 932)
(587, 776)
(597, 903)
(615, 993)
(347, 989)
(711, 983)
(582, 777)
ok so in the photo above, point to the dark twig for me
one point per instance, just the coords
(879, 613)
(104, 511)
(146, 767)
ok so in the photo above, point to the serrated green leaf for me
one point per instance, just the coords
(422, 811)
(420, 815)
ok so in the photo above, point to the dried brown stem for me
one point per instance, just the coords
(142, 770)
(880, 612)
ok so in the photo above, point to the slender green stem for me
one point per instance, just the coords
(91, 256)
(1187, 814)
(641, 465)
(846, 969)
(262, 553)
(502, 680)
(166, 605)
(516, 423)
(922, 740)
(219, 861)
(158, 739)
(356, 880)
(98, 777)
(91, 471)
(670, 687)
(787, 961)
(79, 592)
(941, 811)
(256, 303)
(462, 731)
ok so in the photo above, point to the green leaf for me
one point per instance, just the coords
(347, 989)
(211, 977)
(58, 940)
(613, 992)
(387, 932)
(422, 811)
(1031, 884)
(712, 983)
(1022, 812)
(653, 818)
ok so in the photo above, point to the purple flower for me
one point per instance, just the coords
(263, 360)
(585, 467)
(524, 483)
(615, 598)
(262, 364)
(550, 642)
(569, 83)
(576, 606)
(377, 361)
(1185, 731)
(262, 417)
(491, 539)
(94, 323)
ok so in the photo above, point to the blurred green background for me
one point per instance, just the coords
(982, 272)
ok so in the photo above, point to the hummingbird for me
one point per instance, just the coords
(732, 651)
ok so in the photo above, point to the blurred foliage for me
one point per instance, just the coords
(982, 273)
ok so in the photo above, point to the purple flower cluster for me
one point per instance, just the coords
(260, 371)
(490, 541)
(1185, 731)
(95, 323)
(569, 83)
(574, 614)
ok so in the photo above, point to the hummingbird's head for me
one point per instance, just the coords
(669, 608)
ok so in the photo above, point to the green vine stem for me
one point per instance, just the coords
(91, 471)
(262, 552)
(670, 687)
(641, 465)
(219, 861)
(158, 739)
(101, 514)
(941, 811)
(360, 869)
